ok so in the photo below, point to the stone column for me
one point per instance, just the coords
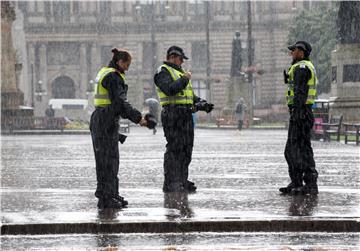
(41, 103)
(95, 61)
(43, 74)
(72, 12)
(31, 72)
(82, 87)
(188, 52)
(139, 84)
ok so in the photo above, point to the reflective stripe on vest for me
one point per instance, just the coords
(312, 82)
(184, 97)
(101, 95)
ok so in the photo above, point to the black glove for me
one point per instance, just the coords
(122, 138)
(203, 106)
(151, 121)
(286, 77)
(209, 107)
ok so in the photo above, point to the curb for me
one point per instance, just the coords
(329, 225)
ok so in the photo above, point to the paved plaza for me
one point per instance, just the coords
(49, 180)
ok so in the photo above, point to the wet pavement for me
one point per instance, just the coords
(51, 179)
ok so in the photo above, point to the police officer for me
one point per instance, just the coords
(301, 81)
(177, 98)
(111, 103)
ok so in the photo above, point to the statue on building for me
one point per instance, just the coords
(13, 116)
(236, 61)
(8, 55)
(349, 22)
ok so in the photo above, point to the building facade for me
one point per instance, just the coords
(66, 43)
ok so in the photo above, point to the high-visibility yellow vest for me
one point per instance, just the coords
(312, 82)
(184, 97)
(101, 95)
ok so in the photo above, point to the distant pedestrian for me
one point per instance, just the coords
(240, 108)
(301, 81)
(177, 98)
(50, 112)
(111, 103)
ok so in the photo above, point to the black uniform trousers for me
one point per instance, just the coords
(179, 132)
(298, 151)
(105, 138)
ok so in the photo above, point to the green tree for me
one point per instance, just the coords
(318, 27)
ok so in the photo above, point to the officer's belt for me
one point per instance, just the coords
(182, 107)
(292, 107)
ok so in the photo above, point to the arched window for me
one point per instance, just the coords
(63, 87)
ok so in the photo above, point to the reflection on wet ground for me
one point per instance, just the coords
(178, 205)
(187, 241)
(52, 178)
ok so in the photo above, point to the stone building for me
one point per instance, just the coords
(68, 41)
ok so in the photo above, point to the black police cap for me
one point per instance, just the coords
(303, 45)
(177, 51)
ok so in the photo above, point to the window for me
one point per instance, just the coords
(333, 74)
(39, 6)
(198, 55)
(196, 8)
(199, 87)
(87, 7)
(61, 12)
(351, 73)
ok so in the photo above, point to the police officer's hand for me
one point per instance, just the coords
(150, 121)
(187, 74)
(143, 122)
(209, 107)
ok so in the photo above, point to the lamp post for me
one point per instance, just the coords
(153, 47)
(208, 60)
(250, 62)
(32, 86)
(39, 92)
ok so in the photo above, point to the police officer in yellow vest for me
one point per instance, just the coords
(111, 103)
(301, 81)
(177, 98)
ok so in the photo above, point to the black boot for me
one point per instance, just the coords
(109, 203)
(121, 199)
(173, 187)
(190, 186)
(289, 188)
(305, 190)
(310, 179)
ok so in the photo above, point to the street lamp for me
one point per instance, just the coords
(250, 61)
(147, 10)
(39, 92)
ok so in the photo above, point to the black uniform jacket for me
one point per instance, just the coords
(301, 77)
(164, 81)
(117, 92)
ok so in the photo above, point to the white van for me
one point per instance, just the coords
(74, 109)
(80, 104)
